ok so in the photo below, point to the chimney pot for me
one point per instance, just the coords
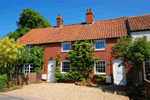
(87, 10)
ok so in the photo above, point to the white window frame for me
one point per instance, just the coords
(61, 65)
(23, 71)
(102, 48)
(62, 47)
(95, 68)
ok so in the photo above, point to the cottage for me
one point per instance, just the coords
(104, 34)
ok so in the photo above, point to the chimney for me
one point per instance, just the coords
(89, 16)
(59, 20)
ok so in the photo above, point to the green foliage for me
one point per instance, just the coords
(10, 56)
(13, 85)
(35, 56)
(57, 73)
(37, 69)
(3, 81)
(82, 63)
(29, 19)
(82, 60)
(18, 33)
(98, 77)
(134, 51)
(135, 89)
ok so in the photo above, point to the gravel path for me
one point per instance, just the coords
(65, 91)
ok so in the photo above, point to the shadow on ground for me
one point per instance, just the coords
(120, 90)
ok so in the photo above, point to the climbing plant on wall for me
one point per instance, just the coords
(81, 62)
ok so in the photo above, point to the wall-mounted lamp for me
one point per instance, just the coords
(109, 64)
(51, 58)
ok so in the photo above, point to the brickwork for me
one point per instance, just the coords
(51, 51)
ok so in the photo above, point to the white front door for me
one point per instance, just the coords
(51, 66)
(119, 72)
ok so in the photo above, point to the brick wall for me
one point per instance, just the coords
(51, 50)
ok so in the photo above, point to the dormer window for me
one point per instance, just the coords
(100, 45)
(65, 47)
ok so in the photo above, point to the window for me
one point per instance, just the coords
(100, 67)
(29, 47)
(65, 66)
(99, 45)
(28, 68)
(65, 47)
(147, 69)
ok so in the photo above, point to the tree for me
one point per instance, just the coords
(10, 55)
(32, 19)
(82, 60)
(35, 56)
(29, 19)
(135, 51)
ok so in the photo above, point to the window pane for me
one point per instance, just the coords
(100, 67)
(66, 46)
(65, 66)
(99, 44)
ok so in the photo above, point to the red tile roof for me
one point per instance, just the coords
(138, 23)
(102, 29)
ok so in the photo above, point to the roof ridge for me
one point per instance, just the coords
(113, 18)
(139, 15)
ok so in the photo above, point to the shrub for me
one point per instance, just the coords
(136, 89)
(98, 77)
(13, 85)
(37, 69)
(3, 81)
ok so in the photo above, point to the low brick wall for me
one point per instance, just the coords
(147, 85)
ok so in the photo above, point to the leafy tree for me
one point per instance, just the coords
(35, 56)
(18, 33)
(135, 51)
(32, 19)
(10, 54)
(29, 19)
(82, 60)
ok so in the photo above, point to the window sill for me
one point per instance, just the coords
(99, 49)
(66, 51)
(64, 72)
(100, 73)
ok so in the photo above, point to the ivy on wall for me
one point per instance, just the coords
(35, 56)
(81, 62)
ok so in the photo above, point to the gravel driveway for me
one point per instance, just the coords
(64, 91)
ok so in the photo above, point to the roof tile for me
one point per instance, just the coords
(138, 23)
(102, 29)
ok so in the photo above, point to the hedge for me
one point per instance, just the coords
(3, 81)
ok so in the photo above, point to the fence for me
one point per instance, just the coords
(18, 78)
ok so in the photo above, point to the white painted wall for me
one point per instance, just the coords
(141, 34)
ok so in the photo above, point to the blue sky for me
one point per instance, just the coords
(72, 11)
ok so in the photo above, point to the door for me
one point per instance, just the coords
(119, 72)
(51, 66)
